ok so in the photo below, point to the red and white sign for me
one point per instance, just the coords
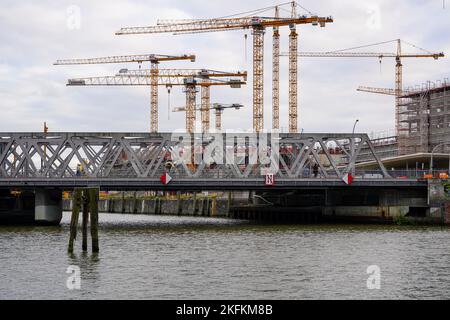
(348, 179)
(165, 178)
(270, 179)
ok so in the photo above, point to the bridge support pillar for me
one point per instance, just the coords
(48, 206)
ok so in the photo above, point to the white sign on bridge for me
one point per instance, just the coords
(270, 179)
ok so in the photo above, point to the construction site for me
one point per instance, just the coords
(421, 114)
(217, 151)
(418, 143)
(423, 124)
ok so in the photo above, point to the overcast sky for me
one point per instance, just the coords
(37, 33)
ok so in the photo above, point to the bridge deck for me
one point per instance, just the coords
(207, 184)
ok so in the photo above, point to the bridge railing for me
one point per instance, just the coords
(218, 174)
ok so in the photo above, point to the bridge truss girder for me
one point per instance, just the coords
(131, 156)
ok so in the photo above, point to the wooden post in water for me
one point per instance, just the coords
(77, 200)
(134, 202)
(229, 203)
(85, 200)
(122, 209)
(194, 203)
(179, 209)
(93, 204)
(214, 206)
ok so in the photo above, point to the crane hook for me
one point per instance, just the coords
(168, 101)
(380, 61)
(245, 37)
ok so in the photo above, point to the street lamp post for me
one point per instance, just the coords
(354, 126)
(353, 145)
(432, 153)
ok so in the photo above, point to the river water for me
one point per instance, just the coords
(160, 257)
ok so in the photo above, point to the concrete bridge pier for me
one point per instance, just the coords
(16, 207)
(48, 206)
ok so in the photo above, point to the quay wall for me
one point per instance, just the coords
(205, 207)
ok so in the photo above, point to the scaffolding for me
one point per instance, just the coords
(425, 118)
(424, 114)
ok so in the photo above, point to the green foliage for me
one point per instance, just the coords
(403, 221)
(447, 188)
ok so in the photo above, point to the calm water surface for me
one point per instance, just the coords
(154, 257)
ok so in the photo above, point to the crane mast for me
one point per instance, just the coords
(191, 93)
(206, 98)
(154, 97)
(398, 90)
(218, 114)
(276, 75)
(258, 79)
(293, 77)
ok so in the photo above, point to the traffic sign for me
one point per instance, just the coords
(270, 179)
(165, 178)
(348, 179)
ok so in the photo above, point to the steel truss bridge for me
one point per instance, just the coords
(114, 161)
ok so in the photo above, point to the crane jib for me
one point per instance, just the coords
(225, 24)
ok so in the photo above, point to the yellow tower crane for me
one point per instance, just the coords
(154, 60)
(203, 75)
(188, 81)
(247, 20)
(218, 108)
(398, 56)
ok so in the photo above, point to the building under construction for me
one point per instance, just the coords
(424, 118)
